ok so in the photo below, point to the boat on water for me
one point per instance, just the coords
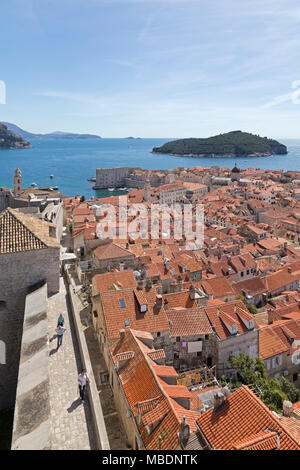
(48, 188)
(111, 189)
(51, 176)
(33, 184)
(123, 189)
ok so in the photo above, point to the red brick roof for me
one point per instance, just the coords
(218, 287)
(270, 343)
(111, 251)
(188, 322)
(264, 440)
(179, 299)
(278, 280)
(122, 305)
(278, 337)
(242, 421)
(218, 320)
(253, 286)
(113, 281)
(164, 371)
(147, 395)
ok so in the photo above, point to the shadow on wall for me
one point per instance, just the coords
(6, 427)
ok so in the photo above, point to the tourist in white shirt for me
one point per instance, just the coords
(60, 332)
(83, 379)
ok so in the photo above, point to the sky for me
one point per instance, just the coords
(152, 68)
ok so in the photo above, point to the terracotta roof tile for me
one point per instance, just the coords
(111, 251)
(147, 396)
(164, 371)
(241, 418)
(122, 305)
(113, 281)
(157, 354)
(188, 322)
(292, 424)
(264, 440)
(22, 232)
(277, 338)
(215, 315)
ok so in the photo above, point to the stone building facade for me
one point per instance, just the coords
(29, 256)
(111, 177)
(246, 343)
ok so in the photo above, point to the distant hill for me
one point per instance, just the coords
(8, 140)
(53, 135)
(232, 144)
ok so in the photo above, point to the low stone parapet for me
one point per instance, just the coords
(94, 399)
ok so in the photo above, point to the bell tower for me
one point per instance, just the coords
(17, 182)
(147, 193)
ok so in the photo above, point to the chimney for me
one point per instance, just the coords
(122, 334)
(289, 270)
(184, 433)
(167, 264)
(140, 284)
(121, 267)
(270, 316)
(218, 400)
(192, 291)
(287, 409)
(158, 302)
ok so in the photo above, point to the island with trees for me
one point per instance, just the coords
(231, 144)
(8, 140)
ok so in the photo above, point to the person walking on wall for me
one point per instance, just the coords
(61, 320)
(60, 332)
(83, 379)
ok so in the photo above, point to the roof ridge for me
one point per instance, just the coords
(222, 312)
(254, 439)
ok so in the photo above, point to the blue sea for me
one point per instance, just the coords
(73, 161)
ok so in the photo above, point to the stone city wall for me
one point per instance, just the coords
(32, 425)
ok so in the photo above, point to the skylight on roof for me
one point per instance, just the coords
(122, 303)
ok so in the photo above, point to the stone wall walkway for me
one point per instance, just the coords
(71, 421)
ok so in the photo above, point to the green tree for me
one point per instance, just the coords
(289, 389)
(273, 391)
(251, 308)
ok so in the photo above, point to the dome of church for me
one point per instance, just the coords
(235, 169)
